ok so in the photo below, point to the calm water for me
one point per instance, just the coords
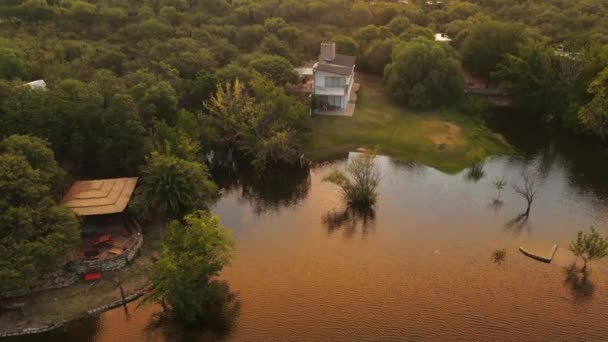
(418, 268)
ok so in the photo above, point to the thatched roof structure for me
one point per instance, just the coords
(100, 197)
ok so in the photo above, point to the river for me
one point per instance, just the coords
(417, 268)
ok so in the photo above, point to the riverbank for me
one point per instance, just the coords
(439, 138)
(51, 309)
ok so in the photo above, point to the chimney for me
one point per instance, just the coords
(328, 52)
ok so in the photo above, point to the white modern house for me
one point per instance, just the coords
(334, 77)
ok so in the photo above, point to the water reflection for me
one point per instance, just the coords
(222, 316)
(585, 160)
(349, 220)
(578, 283)
(518, 224)
(475, 173)
(496, 204)
(81, 330)
(267, 191)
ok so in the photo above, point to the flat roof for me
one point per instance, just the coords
(442, 37)
(100, 196)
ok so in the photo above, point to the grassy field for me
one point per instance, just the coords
(439, 138)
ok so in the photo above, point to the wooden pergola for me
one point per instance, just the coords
(100, 197)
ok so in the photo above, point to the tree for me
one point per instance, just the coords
(192, 253)
(203, 88)
(40, 157)
(171, 187)
(589, 246)
(399, 25)
(35, 232)
(378, 55)
(424, 73)
(476, 157)
(528, 190)
(360, 14)
(36, 10)
(499, 184)
(277, 68)
(346, 45)
(121, 139)
(12, 65)
(488, 43)
(360, 181)
(544, 80)
(264, 124)
(159, 102)
(594, 115)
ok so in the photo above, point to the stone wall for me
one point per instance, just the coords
(53, 280)
(108, 264)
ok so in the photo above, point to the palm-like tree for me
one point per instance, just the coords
(171, 187)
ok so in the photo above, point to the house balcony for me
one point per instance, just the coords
(332, 91)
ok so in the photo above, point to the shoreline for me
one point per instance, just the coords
(134, 295)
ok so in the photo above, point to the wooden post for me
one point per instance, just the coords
(122, 296)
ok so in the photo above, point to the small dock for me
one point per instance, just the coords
(544, 258)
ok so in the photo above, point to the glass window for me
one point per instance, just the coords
(334, 81)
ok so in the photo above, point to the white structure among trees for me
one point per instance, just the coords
(334, 76)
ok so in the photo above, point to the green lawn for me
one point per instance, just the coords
(439, 138)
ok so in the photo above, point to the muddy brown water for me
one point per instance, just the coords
(417, 268)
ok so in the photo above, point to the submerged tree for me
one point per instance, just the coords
(528, 190)
(589, 246)
(193, 253)
(476, 158)
(499, 255)
(499, 184)
(360, 181)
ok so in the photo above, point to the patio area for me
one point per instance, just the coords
(350, 107)
(109, 234)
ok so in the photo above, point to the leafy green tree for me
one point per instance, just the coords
(272, 45)
(488, 43)
(416, 31)
(543, 80)
(35, 233)
(12, 65)
(360, 181)
(277, 68)
(399, 25)
(594, 115)
(378, 55)
(174, 141)
(202, 89)
(346, 45)
(121, 140)
(266, 125)
(424, 73)
(248, 37)
(589, 246)
(232, 72)
(39, 156)
(171, 187)
(159, 103)
(36, 10)
(361, 14)
(192, 254)
(112, 60)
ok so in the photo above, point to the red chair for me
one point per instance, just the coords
(92, 276)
